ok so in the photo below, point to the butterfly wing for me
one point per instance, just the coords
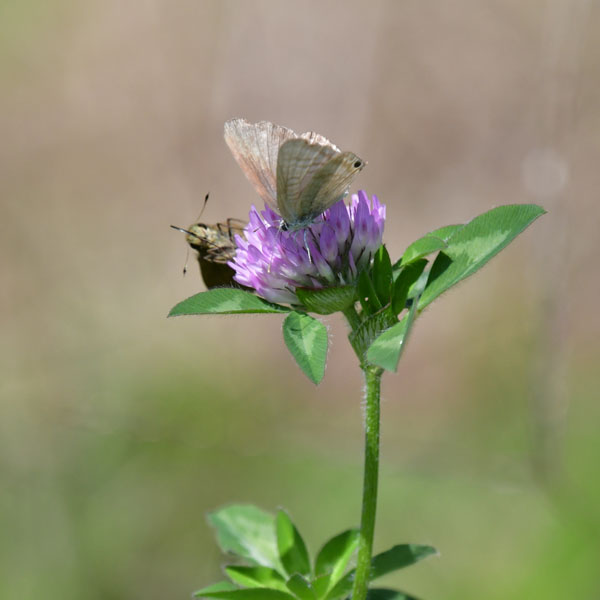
(311, 177)
(316, 138)
(255, 147)
(330, 184)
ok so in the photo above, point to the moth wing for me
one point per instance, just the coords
(214, 243)
(298, 162)
(329, 184)
(255, 147)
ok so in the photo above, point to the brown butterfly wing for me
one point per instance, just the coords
(329, 184)
(311, 177)
(299, 176)
(255, 147)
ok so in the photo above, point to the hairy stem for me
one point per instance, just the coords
(369, 501)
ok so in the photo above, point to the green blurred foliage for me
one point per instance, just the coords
(112, 505)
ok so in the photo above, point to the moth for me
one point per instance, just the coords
(298, 176)
(215, 245)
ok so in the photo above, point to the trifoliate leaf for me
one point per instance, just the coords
(367, 295)
(247, 532)
(327, 300)
(395, 558)
(428, 244)
(292, 549)
(334, 556)
(407, 276)
(382, 275)
(246, 594)
(225, 301)
(251, 577)
(301, 588)
(306, 339)
(472, 246)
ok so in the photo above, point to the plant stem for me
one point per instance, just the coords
(369, 501)
(352, 317)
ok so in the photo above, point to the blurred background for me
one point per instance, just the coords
(120, 429)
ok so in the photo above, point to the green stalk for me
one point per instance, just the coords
(352, 317)
(369, 501)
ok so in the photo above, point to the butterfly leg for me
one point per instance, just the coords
(306, 245)
(271, 257)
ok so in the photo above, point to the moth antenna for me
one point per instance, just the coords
(203, 206)
(187, 257)
(187, 254)
(182, 230)
(186, 231)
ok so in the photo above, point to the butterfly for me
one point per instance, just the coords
(298, 176)
(215, 245)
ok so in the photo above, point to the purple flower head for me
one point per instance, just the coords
(329, 252)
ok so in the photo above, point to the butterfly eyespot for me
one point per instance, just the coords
(357, 164)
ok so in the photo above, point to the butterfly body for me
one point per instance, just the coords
(298, 176)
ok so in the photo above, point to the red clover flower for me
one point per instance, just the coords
(330, 252)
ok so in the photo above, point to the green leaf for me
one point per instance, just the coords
(247, 532)
(408, 275)
(422, 247)
(429, 243)
(475, 244)
(446, 232)
(222, 586)
(386, 594)
(306, 339)
(292, 549)
(367, 295)
(225, 301)
(256, 577)
(301, 588)
(327, 300)
(321, 585)
(386, 349)
(334, 555)
(382, 275)
(247, 594)
(395, 558)
(399, 557)
(362, 337)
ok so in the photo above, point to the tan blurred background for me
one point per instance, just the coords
(120, 429)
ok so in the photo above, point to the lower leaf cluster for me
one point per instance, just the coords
(275, 563)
